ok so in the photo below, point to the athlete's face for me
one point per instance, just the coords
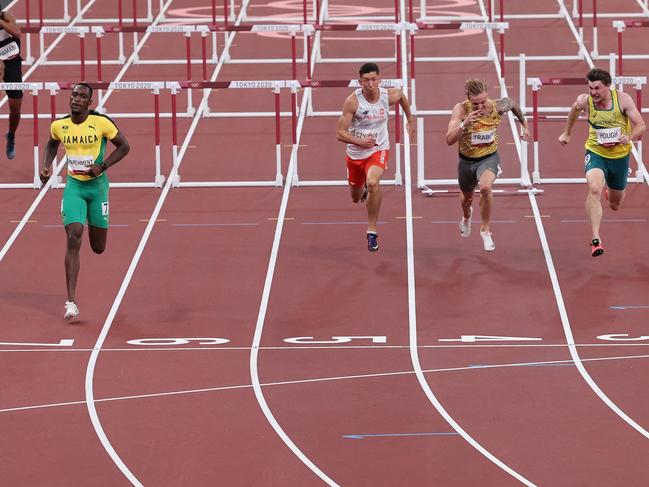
(80, 99)
(598, 90)
(479, 103)
(370, 83)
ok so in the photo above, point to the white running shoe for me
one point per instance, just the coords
(487, 241)
(71, 310)
(465, 224)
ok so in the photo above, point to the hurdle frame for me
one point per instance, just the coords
(275, 85)
(537, 83)
(154, 87)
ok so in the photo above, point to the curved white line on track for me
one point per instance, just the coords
(412, 308)
(259, 328)
(565, 322)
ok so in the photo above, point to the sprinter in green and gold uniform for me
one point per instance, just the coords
(474, 124)
(614, 122)
(84, 134)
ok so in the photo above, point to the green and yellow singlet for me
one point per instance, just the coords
(605, 129)
(480, 138)
(85, 143)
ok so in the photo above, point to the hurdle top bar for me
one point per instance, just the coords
(620, 25)
(536, 83)
(274, 84)
(113, 85)
(500, 26)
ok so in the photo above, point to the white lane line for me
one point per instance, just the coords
(565, 322)
(261, 317)
(412, 312)
(92, 361)
(321, 379)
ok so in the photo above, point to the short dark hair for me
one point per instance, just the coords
(81, 83)
(599, 74)
(368, 68)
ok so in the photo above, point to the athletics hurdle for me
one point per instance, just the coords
(295, 85)
(66, 12)
(621, 26)
(274, 85)
(154, 87)
(33, 88)
(537, 83)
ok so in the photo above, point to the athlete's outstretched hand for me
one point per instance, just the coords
(44, 175)
(564, 138)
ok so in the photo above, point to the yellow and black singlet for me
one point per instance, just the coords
(605, 129)
(85, 143)
(480, 138)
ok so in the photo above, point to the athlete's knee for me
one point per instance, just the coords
(73, 240)
(485, 191)
(615, 205)
(98, 248)
(373, 184)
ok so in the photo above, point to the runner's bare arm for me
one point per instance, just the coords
(506, 104)
(578, 107)
(456, 126)
(345, 121)
(8, 23)
(638, 126)
(48, 156)
(396, 95)
(121, 149)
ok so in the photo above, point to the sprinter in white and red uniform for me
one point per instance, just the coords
(363, 126)
(11, 72)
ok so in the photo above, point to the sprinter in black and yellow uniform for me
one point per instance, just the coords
(84, 134)
(614, 121)
(474, 124)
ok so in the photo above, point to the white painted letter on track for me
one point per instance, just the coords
(335, 340)
(489, 338)
(166, 342)
(622, 337)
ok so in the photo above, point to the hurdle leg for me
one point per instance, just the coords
(37, 179)
(278, 139)
(420, 153)
(296, 181)
(174, 140)
(159, 178)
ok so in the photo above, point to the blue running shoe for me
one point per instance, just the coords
(11, 145)
(372, 242)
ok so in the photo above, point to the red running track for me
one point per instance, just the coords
(187, 410)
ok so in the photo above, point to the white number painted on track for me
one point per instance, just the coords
(489, 338)
(343, 339)
(62, 343)
(167, 342)
(622, 337)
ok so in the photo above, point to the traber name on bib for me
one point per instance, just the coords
(610, 136)
(483, 138)
(80, 164)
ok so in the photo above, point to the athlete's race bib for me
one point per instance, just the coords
(482, 138)
(609, 136)
(9, 51)
(365, 134)
(80, 164)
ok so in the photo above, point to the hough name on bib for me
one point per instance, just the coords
(609, 136)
